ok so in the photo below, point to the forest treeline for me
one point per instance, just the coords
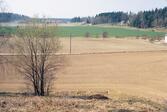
(10, 17)
(142, 19)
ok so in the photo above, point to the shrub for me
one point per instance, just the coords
(87, 34)
(151, 40)
(105, 35)
(98, 96)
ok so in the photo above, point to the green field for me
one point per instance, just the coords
(94, 31)
(7, 30)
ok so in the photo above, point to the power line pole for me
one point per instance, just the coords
(70, 43)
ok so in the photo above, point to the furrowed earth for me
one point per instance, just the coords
(116, 68)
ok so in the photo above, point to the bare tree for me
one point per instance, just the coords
(35, 49)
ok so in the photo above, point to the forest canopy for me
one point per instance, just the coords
(142, 19)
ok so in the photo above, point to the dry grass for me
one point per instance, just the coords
(98, 45)
(69, 104)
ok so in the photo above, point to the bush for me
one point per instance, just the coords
(159, 38)
(144, 38)
(98, 96)
(121, 110)
(151, 40)
(117, 37)
(97, 36)
(105, 35)
(87, 34)
(137, 38)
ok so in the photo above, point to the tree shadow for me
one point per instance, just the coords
(14, 94)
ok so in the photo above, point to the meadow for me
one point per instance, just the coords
(97, 31)
(94, 31)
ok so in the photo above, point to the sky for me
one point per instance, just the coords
(82, 8)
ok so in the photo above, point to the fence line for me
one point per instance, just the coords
(88, 53)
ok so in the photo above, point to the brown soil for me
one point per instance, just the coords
(135, 73)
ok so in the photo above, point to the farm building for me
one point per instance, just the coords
(166, 38)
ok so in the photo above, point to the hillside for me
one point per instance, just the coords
(11, 17)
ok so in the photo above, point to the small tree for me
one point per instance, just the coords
(105, 34)
(151, 39)
(87, 34)
(35, 49)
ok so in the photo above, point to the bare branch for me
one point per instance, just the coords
(36, 44)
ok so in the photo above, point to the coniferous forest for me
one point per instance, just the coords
(10, 17)
(142, 19)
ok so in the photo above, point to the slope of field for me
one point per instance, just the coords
(95, 66)
(132, 73)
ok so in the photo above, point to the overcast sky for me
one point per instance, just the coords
(71, 8)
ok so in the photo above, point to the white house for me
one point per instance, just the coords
(166, 38)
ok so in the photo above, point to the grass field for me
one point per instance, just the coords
(94, 31)
(7, 30)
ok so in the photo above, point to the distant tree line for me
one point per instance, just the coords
(113, 17)
(10, 17)
(76, 19)
(142, 19)
(148, 19)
